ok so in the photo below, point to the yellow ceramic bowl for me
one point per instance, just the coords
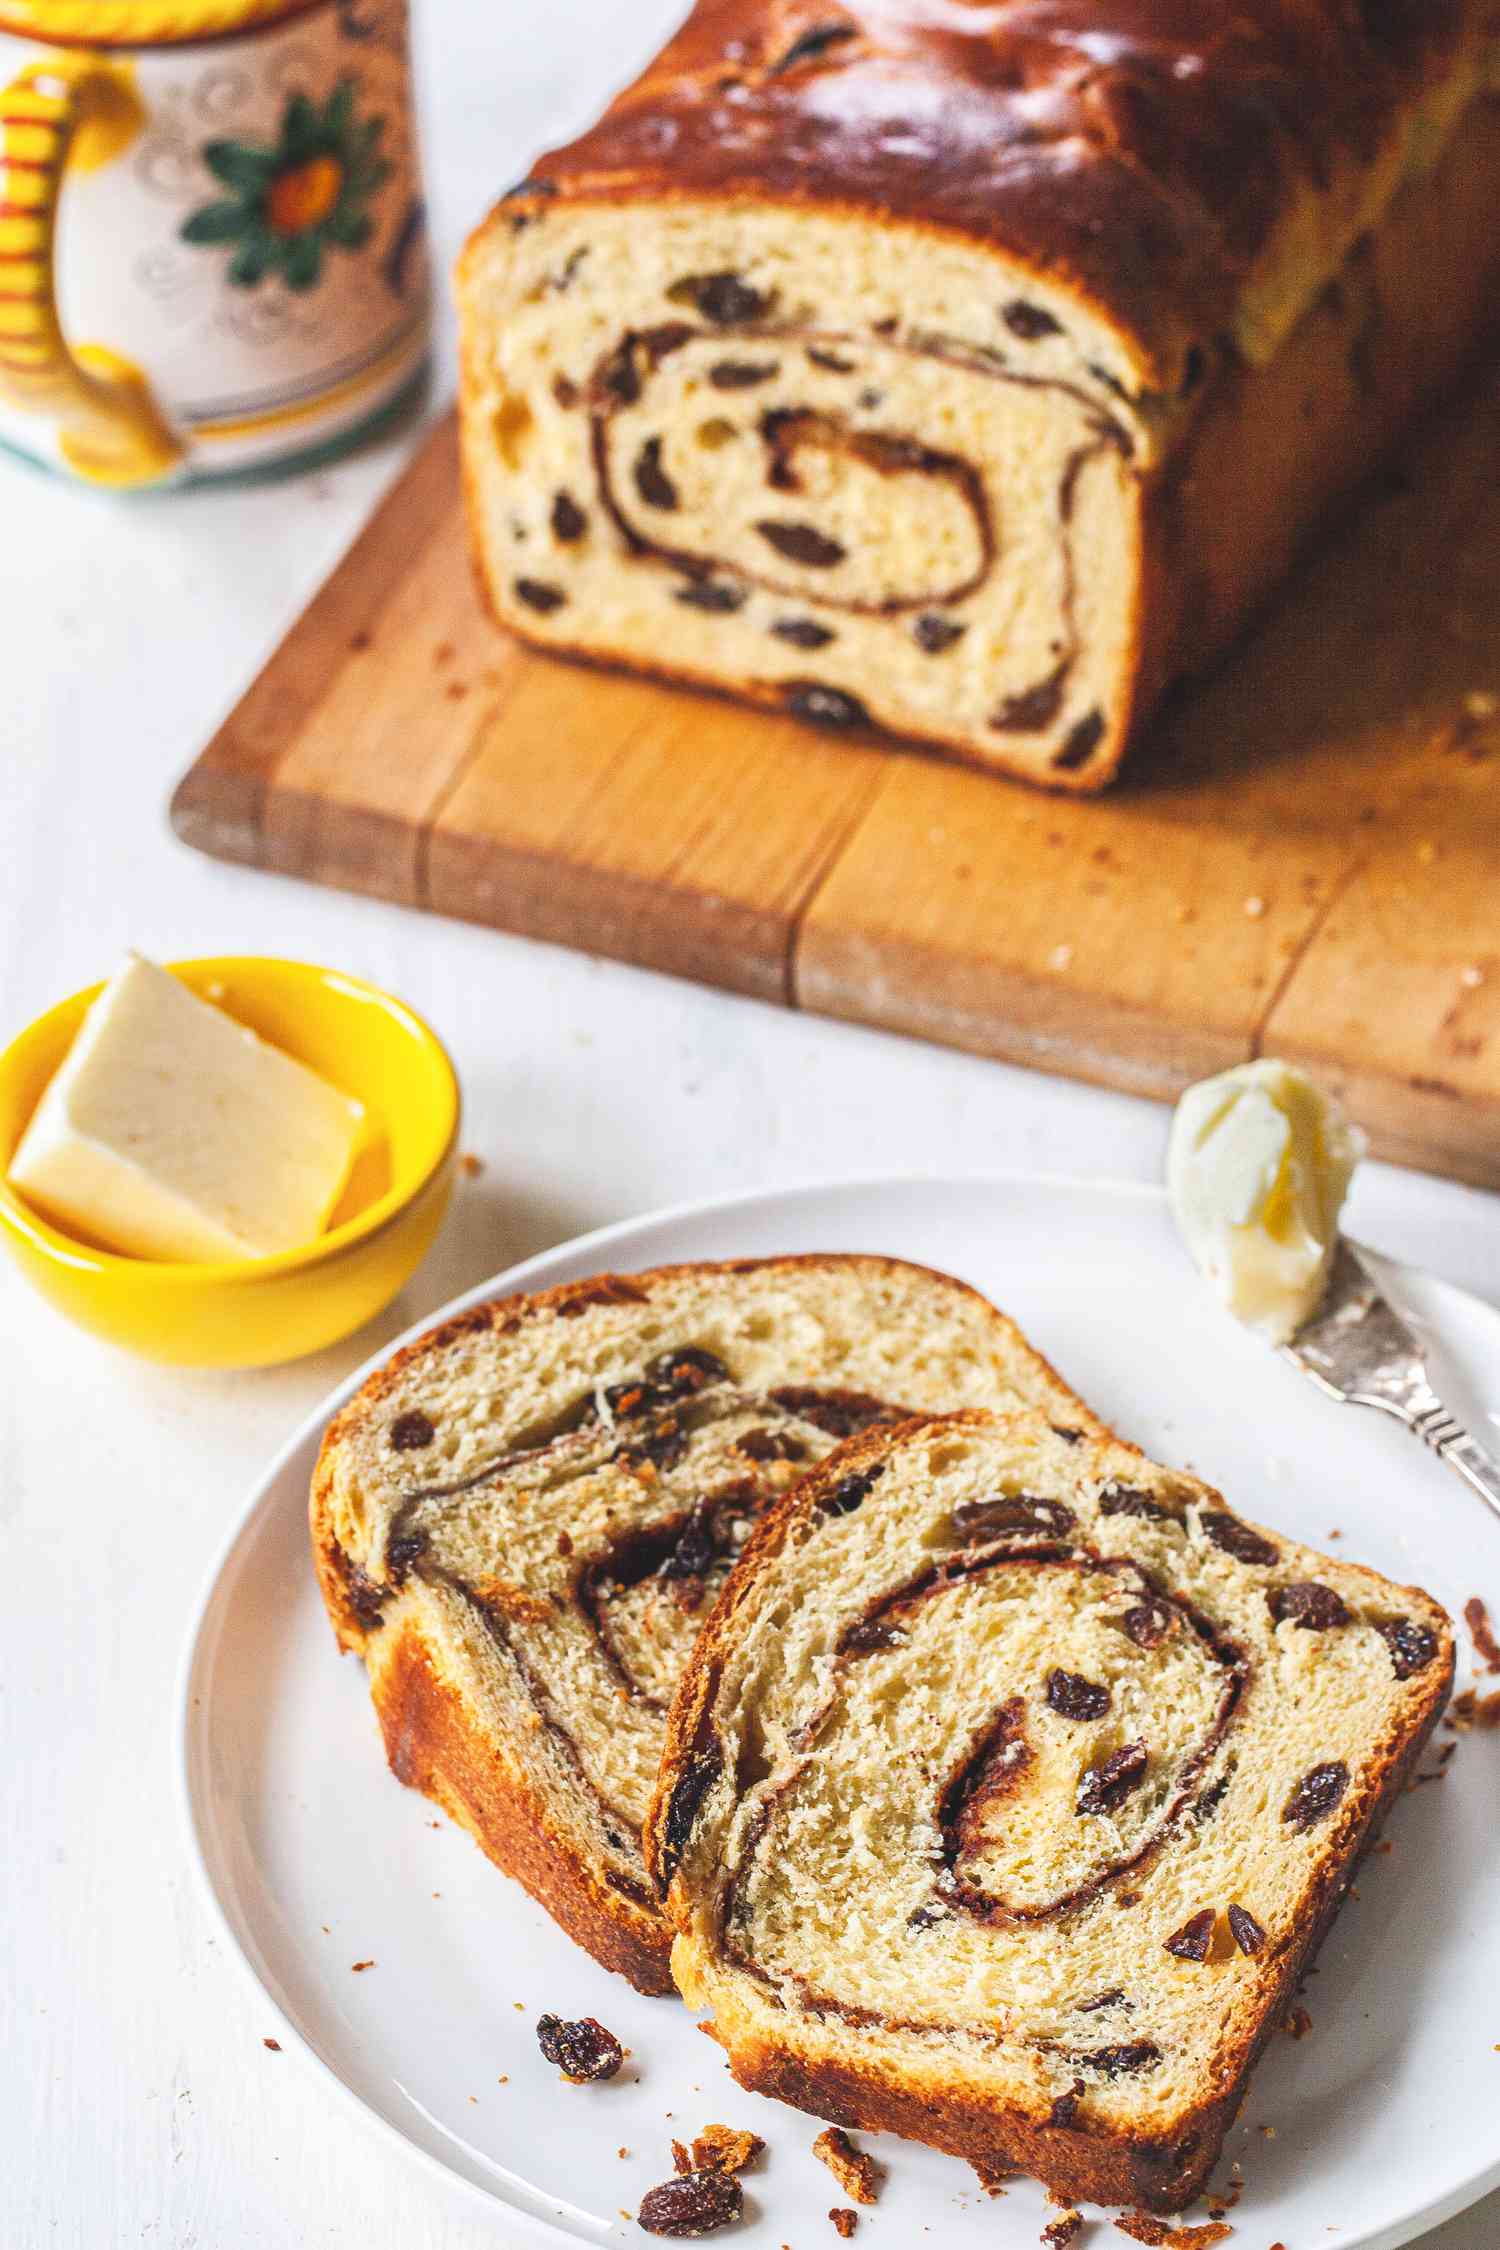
(249, 1312)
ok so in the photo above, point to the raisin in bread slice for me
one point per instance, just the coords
(521, 1523)
(1010, 1787)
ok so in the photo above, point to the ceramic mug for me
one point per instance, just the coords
(223, 197)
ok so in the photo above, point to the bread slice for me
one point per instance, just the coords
(1012, 1784)
(521, 1523)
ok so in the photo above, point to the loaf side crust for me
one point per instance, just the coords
(434, 1744)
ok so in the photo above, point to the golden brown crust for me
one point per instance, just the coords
(1161, 2172)
(1273, 449)
(1146, 153)
(434, 1741)
(433, 1745)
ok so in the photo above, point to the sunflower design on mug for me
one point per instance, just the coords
(289, 203)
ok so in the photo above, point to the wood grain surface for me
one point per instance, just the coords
(1305, 858)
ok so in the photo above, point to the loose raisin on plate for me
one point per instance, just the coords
(1412, 1646)
(1245, 1930)
(1194, 1941)
(582, 2051)
(1232, 1537)
(1315, 1607)
(1105, 1787)
(1074, 1697)
(1316, 1795)
(692, 2203)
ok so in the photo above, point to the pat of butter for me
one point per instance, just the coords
(171, 1131)
(1258, 1165)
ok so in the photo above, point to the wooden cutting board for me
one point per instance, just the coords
(1305, 860)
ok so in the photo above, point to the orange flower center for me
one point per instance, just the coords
(301, 197)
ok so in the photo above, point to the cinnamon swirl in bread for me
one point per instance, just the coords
(1010, 1787)
(970, 370)
(522, 1521)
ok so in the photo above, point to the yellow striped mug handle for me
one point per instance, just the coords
(60, 115)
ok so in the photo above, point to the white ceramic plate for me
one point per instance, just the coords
(1387, 2118)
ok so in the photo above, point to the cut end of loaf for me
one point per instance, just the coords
(874, 477)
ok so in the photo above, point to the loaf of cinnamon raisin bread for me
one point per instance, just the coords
(1010, 1787)
(522, 1521)
(970, 371)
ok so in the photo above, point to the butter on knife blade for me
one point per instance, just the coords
(171, 1131)
(1258, 1164)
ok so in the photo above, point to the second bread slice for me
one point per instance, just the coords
(521, 1524)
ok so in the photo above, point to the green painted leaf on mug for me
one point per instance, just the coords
(216, 222)
(293, 201)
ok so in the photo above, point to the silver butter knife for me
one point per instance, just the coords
(1357, 1348)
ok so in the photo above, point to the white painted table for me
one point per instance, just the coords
(137, 2103)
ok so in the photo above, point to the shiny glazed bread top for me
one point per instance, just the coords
(1190, 168)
